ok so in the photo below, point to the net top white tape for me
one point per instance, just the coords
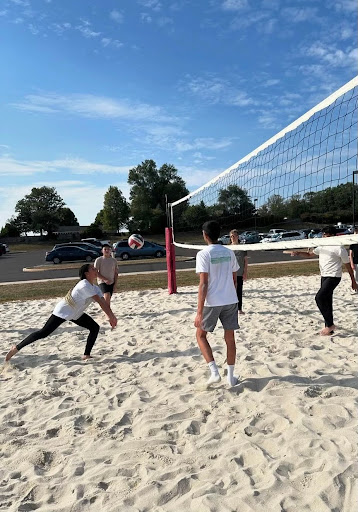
(290, 244)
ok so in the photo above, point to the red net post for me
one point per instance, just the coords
(170, 248)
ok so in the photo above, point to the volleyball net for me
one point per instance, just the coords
(305, 172)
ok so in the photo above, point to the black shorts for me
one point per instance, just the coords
(107, 288)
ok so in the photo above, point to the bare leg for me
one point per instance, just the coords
(204, 345)
(11, 353)
(230, 347)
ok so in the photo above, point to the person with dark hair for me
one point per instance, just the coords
(107, 273)
(241, 276)
(217, 300)
(331, 258)
(72, 308)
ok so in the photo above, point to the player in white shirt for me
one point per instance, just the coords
(217, 299)
(331, 258)
(72, 308)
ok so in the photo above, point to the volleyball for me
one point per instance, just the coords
(135, 241)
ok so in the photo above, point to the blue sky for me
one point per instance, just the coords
(90, 89)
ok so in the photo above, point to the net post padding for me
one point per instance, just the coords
(170, 248)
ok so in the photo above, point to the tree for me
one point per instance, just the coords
(115, 212)
(40, 210)
(235, 201)
(67, 217)
(150, 189)
(276, 206)
(195, 216)
(11, 228)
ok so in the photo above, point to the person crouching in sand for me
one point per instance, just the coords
(72, 308)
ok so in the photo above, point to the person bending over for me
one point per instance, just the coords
(72, 308)
(217, 299)
(331, 258)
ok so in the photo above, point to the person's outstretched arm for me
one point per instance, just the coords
(303, 254)
(106, 308)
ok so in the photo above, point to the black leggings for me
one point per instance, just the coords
(239, 283)
(54, 321)
(324, 298)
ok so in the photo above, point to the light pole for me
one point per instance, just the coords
(255, 212)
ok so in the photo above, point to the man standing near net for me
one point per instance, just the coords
(331, 258)
(217, 299)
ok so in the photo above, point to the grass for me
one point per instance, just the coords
(150, 281)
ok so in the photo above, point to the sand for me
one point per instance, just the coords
(135, 430)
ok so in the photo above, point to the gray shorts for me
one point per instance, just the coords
(226, 314)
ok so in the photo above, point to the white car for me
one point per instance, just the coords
(290, 235)
(269, 238)
(224, 240)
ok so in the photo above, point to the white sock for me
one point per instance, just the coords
(215, 376)
(232, 380)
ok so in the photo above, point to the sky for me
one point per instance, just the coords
(91, 88)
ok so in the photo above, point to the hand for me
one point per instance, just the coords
(354, 286)
(198, 320)
(294, 253)
(244, 277)
(112, 321)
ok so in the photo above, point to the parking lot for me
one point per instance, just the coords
(12, 264)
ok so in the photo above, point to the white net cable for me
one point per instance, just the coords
(302, 163)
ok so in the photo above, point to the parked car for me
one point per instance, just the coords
(70, 253)
(224, 240)
(94, 241)
(251, 238)
(124, 252)
(2, 249)
(269, 238)
(83, 245)
(290, 235)
(276, 231)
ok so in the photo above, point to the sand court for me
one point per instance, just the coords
(135, 430)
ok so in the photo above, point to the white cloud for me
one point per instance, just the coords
(333, 56)
(348, 6)
(216, 90)
(155, 5)
(145, 17)
(116, 16)
(297, 15)
(207, 143)
(234, 5)
(88, 105)
(85, 29)
(12, 167)
(270, 82)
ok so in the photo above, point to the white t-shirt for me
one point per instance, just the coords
(331, 258)
(77, 300)
(220, 263)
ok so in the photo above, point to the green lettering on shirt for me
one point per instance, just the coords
(220, 259)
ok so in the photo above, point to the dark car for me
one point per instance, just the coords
(124, 252)
(251, 238)
(70, 253)
(83, 245)
(2, 249)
